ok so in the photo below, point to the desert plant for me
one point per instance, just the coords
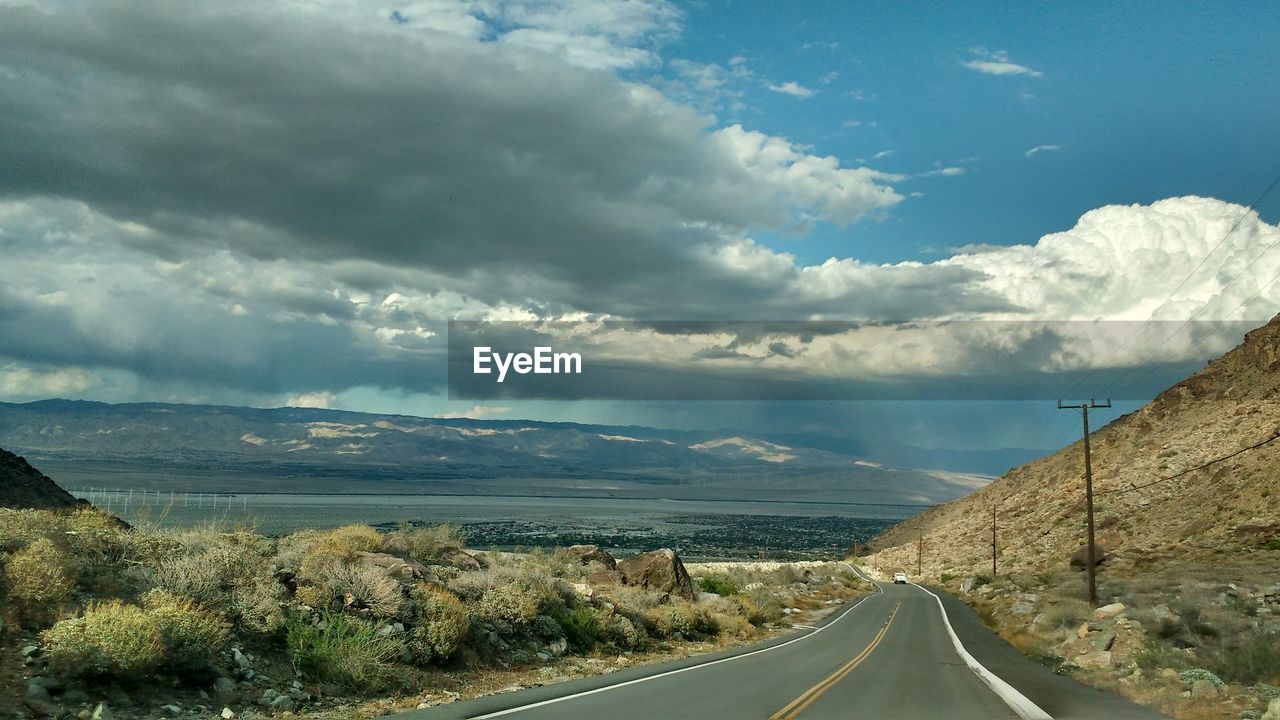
(426, 544)
(110, 639)
(343, 650)
(193, 636)
(718, 584)
(440, 623)
(40, 579)
(581, 627)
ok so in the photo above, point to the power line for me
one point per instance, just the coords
(1274, 436)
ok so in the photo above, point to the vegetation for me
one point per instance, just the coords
(353, 610)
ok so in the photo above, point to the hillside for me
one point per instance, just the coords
(205, 447)
(1222, 511)
(22, 486)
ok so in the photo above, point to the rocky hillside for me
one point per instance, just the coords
(22, 486)
(1224, 512)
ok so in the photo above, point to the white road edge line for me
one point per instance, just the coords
(1018, 702)
(584, 693)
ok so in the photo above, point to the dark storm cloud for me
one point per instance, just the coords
(300, 135)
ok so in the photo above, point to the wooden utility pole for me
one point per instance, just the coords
(1091, 551)
(993, 543)
(920, 553)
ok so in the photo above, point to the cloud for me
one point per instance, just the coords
(851, 123)
(1042, 148)
(882, 154)
(792, 88)
(829, 78)
(478, 412)
(321, 399)
(951, 171)
(997, 63)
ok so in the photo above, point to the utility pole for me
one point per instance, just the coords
(920, 553)
(1091, 551)
(993, 542)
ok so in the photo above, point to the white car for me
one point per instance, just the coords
(899, 578)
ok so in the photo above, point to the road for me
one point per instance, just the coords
(890, 655)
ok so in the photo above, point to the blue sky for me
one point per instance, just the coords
(293, 213)
(1143, 101)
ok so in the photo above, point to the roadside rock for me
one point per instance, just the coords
(1096, 660)
(592, 555)
(966, 585)
(402, 569)
(1100, 554)
(660, 570)
(459, 558)
(1203, 689)
(607, 577)
(1273, 710)
(1107, 612)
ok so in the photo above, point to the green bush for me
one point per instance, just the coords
(110, 639)
(440, 623)
(40, 579)
(193, 637)
(343, 650)
(581, 627)
(718, 584)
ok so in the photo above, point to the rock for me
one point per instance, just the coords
(1083, 631)
(966, 585)
(1203, 690)
(1021, 607)
(1100, 659)
(583, 589)
(1100, 554)
(1273, 710)
(1107, 612)
(558, 647)
(459, 558)
(240, 659)
(228, 714)
(1162, 613)
(605, 578)
(282, 702)
(37, 699)
(659, 570)
(403, 569)
(171, 710)
(591, 554)
(30, 650)
(1168, 673)
(1103, 640)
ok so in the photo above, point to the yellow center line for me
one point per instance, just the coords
(797, 706)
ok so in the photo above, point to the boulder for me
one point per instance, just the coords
(606, 577)
(966, 585)
(1100, 554)
(459, 558)
(592, 555)
(1107, 612)
(1273, 710)
(403, 569)
(659, 570)
(1203, 690)
(1097, 660)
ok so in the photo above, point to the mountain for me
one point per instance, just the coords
(22, 486)
(236, 447)
(1193, 476)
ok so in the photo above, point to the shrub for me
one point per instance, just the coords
(343, 650)
(193, 636)
(426, 544)
(718, 584)
(512, 598)
(440, 623)
(365, 586)
(621, 632)
(257, 605)
(1188, 677)
(40, 579)
(1255, 658)
(1066, 614)
(109, 639)
(681, 617)
(581, 627)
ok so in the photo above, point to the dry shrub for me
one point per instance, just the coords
(110, 639)
(193, 636)
(425, 544)
(354, 584)
(682, 617)
(734, 626)
(440, 623)
(41, 578)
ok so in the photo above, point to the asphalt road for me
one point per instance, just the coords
(891, 655)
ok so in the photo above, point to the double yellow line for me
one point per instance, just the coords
(797, 706)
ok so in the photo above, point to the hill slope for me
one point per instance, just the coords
(22, 486)
(1223, 510)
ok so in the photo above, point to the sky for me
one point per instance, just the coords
(286, 203)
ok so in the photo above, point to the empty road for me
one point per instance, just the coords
(890, 655)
